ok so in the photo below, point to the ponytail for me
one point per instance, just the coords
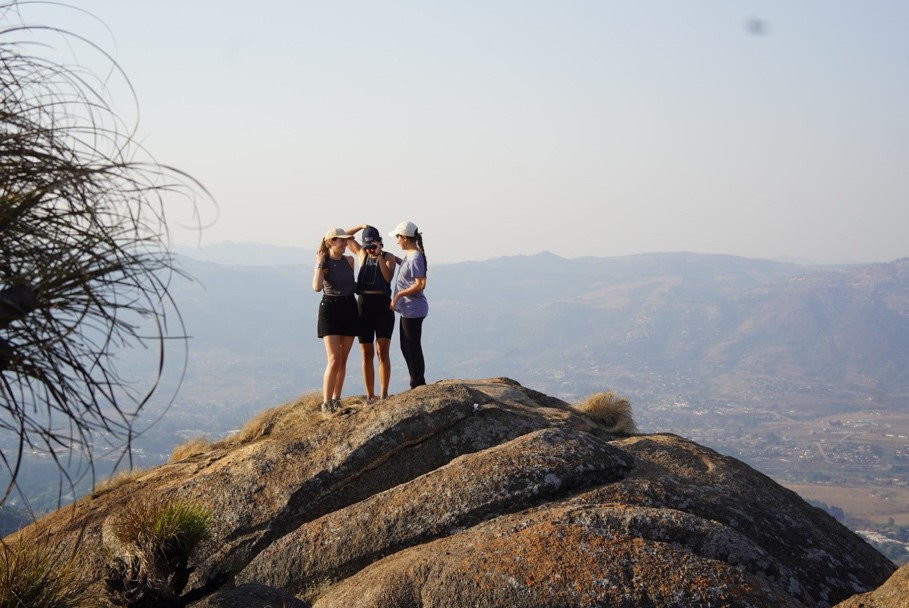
(323, 246)
(418, 239)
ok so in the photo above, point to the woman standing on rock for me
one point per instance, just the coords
(377, 320)
(409, 299)
(337, 326)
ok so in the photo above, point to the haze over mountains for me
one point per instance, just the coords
(800, 370)
(811, 339)
(778, 364)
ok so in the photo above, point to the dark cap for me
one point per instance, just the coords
(371, 235)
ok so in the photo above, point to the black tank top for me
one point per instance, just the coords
(370, 277)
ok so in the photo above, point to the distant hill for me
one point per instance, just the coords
(714, 326)
(704, 326)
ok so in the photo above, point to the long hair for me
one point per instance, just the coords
(323, 246)
(418, 239)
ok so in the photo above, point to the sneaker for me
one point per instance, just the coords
(371, 400)
(331, 406)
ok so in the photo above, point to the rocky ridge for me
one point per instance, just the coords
(487, 493)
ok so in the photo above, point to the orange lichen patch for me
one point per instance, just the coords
(532, 562)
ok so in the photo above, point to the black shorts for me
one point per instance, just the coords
(377, 320)
(338, 316)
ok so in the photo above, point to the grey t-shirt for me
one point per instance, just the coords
(413, 266)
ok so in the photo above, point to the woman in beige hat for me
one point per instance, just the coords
(338, 322)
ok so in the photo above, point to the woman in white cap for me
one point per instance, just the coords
(377, 320)
(409, 299)
(337, 326)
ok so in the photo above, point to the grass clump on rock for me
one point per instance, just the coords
(37, 573)
(158, 536)
(610, 410)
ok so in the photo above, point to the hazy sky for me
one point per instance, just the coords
(763, 129)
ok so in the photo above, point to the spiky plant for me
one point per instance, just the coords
(85, 265)
(159, 536)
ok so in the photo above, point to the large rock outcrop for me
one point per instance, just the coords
(486, 493)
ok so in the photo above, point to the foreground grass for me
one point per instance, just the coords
(38, 573)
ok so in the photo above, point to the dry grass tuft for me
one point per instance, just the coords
(260, 426)
(193, 447)
(300, 412)
(610, 410)
(116, 480)
(40, 573)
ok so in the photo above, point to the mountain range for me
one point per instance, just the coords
(758, 359)
(808, 340)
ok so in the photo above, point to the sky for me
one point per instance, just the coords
(772, 129)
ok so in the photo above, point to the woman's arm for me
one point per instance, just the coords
(319, 273)
(388, 266)
(354, 245)
(419, 284)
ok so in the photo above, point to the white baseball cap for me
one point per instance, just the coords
(405, 229)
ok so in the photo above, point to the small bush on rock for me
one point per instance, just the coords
(160, 536)
(611, 410)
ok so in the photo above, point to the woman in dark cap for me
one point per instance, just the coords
(377, 320)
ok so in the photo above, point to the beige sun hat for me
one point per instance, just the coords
(337, 233)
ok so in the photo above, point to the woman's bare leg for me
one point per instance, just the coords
(369, 372)
(383, 346)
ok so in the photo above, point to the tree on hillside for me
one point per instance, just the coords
(85, 264)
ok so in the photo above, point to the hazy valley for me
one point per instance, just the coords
(800, 371)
